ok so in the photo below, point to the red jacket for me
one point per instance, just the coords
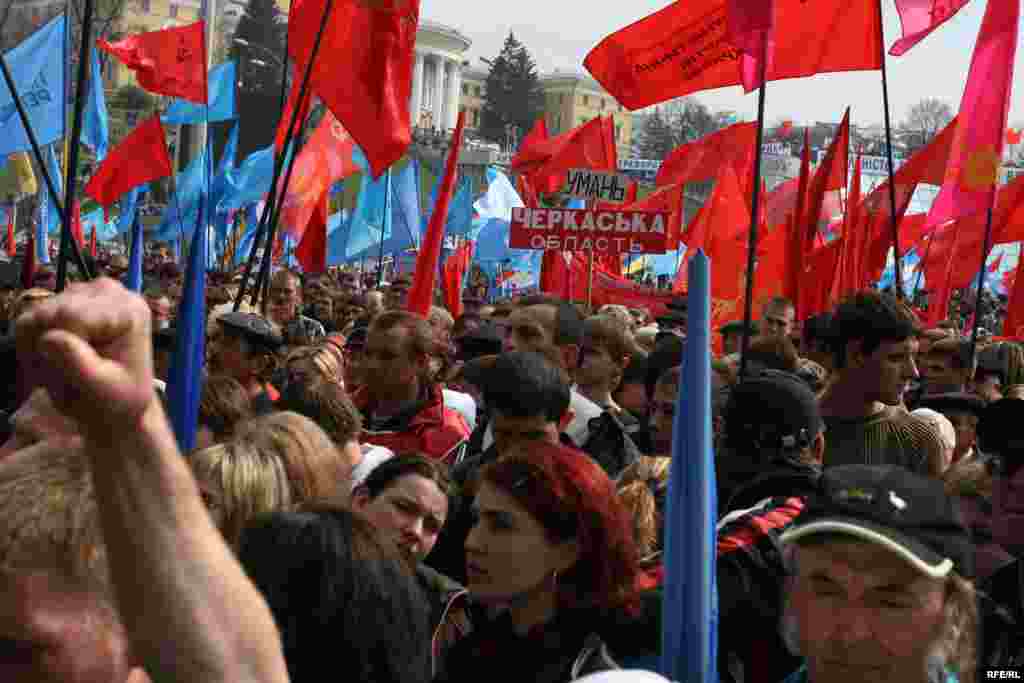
(432, 430)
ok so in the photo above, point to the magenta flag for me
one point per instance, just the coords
(973, 169)
(749, 29)
(919, 18)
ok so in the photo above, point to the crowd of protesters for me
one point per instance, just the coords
(378, 496)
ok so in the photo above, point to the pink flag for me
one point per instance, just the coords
(749, 29)
(919, 18)
(973, 169)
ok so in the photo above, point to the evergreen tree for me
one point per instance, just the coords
(261, 56)
(513, 93)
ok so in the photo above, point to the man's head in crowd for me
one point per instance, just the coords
(774, 415)
(947, 367)
(285, 297)
(244, 346)
(991, 371)
(57, 609)
(160, 306)
(875, 349)
(527, 397)
(396, 360)
(732, 336)
(224, 404)
(816, 340)
(963, 411)
(606, 351)
(398, 290)
(406, 499)
(878, 587)
(441, 322)
(778, 317)
(321, 305)
(546, 325)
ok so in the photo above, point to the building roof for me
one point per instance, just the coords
(430, 26)
(559, 77)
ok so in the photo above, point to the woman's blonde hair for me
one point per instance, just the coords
(324, 358)
(314, 466)
(239, 483)
(637, 487)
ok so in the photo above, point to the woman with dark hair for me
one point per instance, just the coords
(406, 498)
(339, 597)
(552, 554)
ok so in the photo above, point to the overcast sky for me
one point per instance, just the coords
(559, 33)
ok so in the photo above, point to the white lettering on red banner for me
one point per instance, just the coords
(610, 232)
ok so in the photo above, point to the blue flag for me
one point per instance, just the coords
(105, 230)
(38, 73)
(182, 210)
(133, 279)
(49, 217)
(223, 106)
(405, 196)
(185, 378)
(248, 183)
(221, 187)
(460, 210)
(95, 132)
(689, 646)
(129, 204)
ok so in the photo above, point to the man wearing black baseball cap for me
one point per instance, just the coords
(879, 587)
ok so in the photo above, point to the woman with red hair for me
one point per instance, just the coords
(551, 556)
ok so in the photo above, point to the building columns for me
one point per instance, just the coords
(416, 103)
(454, 93)
(439, 94)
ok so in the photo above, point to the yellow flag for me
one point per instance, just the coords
(17, 179)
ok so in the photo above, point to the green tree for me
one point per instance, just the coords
(513, 94)
(258, 45)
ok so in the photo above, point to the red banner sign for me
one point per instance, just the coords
(604, 232)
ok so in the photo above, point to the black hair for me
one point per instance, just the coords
(338, 596)
(817, 330)
(666, 355)
(872, 318)
(526, 384)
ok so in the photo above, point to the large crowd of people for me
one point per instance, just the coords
(380, 496)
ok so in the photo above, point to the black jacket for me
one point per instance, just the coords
(1001, 609)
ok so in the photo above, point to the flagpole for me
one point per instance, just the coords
(387, 206)
(76, 132)
(924, 261)
(888, 151)
(755, 211)
(981, 279)
(37, 152)
(279, 161)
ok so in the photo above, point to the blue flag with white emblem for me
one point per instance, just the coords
(38, 72)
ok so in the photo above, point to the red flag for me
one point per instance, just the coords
(526, 192)
(169, 62)
(919, 18)
(453, 271)
(973, 169)
(727, 218)
(817, 284)
(703, 159)
(683, 48)
(28, 265)
(667, 198)
(591, 145)
(795, 242)
(785, 129)
(421, 294)
(853, 235)
(1013, 136)
(750, 29)
(537, 134)
(76, 224)
(325, 159)
(312, 250)
(289, 112)
(92, 242)
(830, 177)
(1014, 324)
(554, 275)
(363, 69)
(632, 190)
(724, 217)
(12, 248)
(141, 157)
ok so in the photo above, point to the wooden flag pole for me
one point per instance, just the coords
(261, 231)
(71, 178)
(755, 211)
(888, 151)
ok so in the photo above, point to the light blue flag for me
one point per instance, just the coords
(185, 378)
(49, 217)
(221, 186)
(129, 203)
(499, 200)
(105, 230)
(182, 210)
(252, 220)
(405, 196)
(133, 278)
(95, 132)
(223, 105)
(38, 75)
(689, 645)
(247, 183)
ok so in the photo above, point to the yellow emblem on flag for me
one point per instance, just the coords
(981, 170)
